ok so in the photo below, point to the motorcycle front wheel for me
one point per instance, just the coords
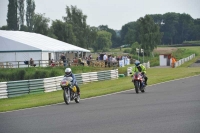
(66, 95)
(136, 84)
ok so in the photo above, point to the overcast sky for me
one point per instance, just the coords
(114, 13)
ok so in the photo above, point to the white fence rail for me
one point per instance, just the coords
(182, 61)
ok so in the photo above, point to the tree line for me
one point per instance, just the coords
(147, 32)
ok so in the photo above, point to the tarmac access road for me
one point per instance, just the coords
(196, 64)
(170, 107)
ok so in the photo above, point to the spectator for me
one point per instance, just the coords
(105, 59)
(52, 63)
(32, 62)
(88, 61)
(63, 58)
(80, 61)
(90, 57)
(109, 60)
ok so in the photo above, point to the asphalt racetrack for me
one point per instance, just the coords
(171, 107)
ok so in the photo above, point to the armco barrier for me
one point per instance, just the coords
(57, 82)
(36, 86)
(79, 78)
(93, 76)
(22, 87)
(85, 77)
(49, 84)
(17, 88)
(114, 74)
(3, 90)
(100, 75)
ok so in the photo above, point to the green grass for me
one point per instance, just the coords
(155, 75)
(191, 42)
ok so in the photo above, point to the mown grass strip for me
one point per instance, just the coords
(155, 75)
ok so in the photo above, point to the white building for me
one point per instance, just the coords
(19, 46)
(165, 59)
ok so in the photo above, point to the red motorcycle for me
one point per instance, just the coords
(139, 82)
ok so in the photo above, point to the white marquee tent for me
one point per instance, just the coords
(21, 46)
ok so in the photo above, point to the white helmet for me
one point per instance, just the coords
(68, 71)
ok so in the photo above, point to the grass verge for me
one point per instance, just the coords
(155, 75)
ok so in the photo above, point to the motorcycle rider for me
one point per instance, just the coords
(140, 68)
(68, 73)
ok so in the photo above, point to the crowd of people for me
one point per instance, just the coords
(110, 60)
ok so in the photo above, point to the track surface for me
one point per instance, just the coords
(171, 107)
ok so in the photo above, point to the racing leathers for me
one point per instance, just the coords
(74, 82)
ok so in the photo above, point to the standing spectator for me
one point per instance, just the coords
(63, 58)
(90, 57)
(105, 59)
(88, 61)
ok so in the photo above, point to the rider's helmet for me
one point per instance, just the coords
(68, 71)
(137, 63)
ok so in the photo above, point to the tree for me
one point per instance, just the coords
(12, 17)
(92, 36)
(115, 40)
(63, 31)
(21, 12)
(158, 19)
(134, 46)
(77, 21)
(149, 34)
(103, 42)
(130, 33)
(195, 30)
(30, 11)
(170, 21)
(40, 24)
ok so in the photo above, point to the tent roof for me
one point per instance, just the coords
(15, 41)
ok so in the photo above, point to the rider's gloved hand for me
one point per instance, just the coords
(142, 73)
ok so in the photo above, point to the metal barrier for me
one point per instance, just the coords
(23, 64)
(36, 86)
(24, 87)
(17, 88)
(182, 61)
(3, 90)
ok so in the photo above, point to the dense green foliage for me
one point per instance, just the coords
(30, 12)
(21, 12)
(103, 41)
(40, 24)
(191, 42)
(149, 34)
(177, 27)
(11, 74)
(12, 16)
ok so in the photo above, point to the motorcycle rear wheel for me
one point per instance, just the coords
(77, 99)
(143, 90)
(66, 96)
